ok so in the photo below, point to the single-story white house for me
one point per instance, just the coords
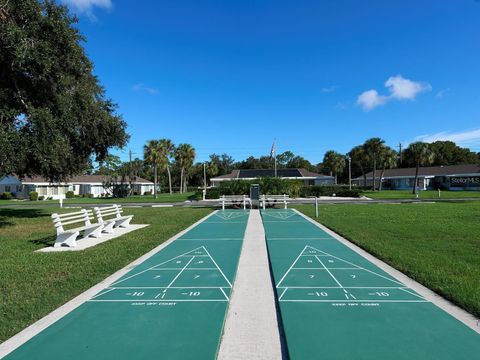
(80, 185)
(451, 177)
(308, 177)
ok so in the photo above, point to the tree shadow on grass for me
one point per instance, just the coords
(45, 241)
(7, 215)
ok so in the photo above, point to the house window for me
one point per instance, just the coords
(7, 188)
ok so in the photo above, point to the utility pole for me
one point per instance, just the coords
(205, 175)
(349, 172)
(400, 153)
(130, 171)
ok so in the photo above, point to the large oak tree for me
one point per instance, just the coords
(54, 115)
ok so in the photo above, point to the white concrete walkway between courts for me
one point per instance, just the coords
(251, 329)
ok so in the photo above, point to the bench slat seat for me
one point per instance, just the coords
(118, 220)
(67, 237)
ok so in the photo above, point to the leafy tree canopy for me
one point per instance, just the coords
(54, 115)
(222, 163)
(449, 153)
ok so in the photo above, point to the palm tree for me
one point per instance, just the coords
(373, 147)
(422, 155)
(360, 157)
(334, 162)
(152, 154)
(388, 160)
(167, 152)
(184, 156)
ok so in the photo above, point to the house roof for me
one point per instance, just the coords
(80, 179)
(258, 173)
(447, 170)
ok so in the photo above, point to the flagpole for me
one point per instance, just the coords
(273, 152)
(275, 155)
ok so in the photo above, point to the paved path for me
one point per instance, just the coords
(337, 305)
(171, 306)
(251, 329)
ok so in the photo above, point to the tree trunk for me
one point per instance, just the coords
(416, 179)
(364, 175)
(374, 173)
(169, 179)
(381, 177)
(181, 180)
(155, 180)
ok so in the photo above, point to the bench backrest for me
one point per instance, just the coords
(234, 197)
(276, 197)
(114, 211)
(61, 220)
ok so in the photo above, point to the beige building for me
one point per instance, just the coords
(80, 185)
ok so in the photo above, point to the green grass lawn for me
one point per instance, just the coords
(34, 284)
(437, 244)
(425, 194)
(161, 198)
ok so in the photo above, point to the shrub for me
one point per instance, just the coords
(277, 186)
(349, 193)
(135, 193)
(33, 195)
(6, 196)
(213, 193)
(70, 195)
(197, 196)
(338, 190)
(41, 198)
(148, 192)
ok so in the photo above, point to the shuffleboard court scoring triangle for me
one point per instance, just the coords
(181, 262)
(282, 215)
(229, 215)
(311, 251)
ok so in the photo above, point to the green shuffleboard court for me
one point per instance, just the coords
(335, 304)
(171, 306)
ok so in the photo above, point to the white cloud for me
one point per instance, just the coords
(404, 89)
(142, 87)
(440, 94)
(467, 138)
(329, 89)
(86, 6)
(399, 89)
(371, 99)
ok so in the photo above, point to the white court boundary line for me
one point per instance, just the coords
(450, 308)
(159, 264)
(190, 255)
(356, 267)
(26, 334)
(359, 301)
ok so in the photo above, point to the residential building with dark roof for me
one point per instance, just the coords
(451, 177)
(308, 177)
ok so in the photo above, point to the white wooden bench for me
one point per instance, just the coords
(273, 199)
(115, 218)
(68, 237)
(235, 200)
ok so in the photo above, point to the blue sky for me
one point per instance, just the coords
(230, 76)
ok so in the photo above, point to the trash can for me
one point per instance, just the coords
(255, 195)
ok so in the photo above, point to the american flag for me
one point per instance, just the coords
(273, 150)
